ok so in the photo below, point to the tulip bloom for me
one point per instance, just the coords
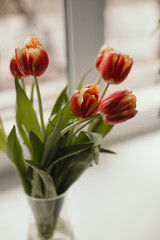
(32, 58)
(118, 107)
(104, 50)
(115, 67)
(14, 68)
(85, 103)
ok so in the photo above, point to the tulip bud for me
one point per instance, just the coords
(118, 107)
(14, 68)
(104, 50)
(115, 67)
(32, 58)
(85, 103)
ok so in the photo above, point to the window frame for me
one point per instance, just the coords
(84, 37)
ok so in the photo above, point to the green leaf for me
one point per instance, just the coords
(72, 169)
(3, 137)
(51, 144)
(65, 111)
(60, 100)
(99, 126)
(26, 113)
(80, 85)
(96, 139)
(36, 146)
(81, 138)
(2, 141)
(104, 150)
(69, 151)
(37, 188)
(49, 187)
(14, 152)
(36, 150)
(22, 131)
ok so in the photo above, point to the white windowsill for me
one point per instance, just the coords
(118, 199)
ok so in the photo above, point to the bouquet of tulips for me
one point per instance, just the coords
(66, 146)
(70, 142)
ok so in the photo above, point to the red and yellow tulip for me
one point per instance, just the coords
(113, 65)
(118, 107)
(85, 103)
(32, 58)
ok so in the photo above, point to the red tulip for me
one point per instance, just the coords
(115, 67)
(32, 58)
(104, 50)
(85, 103)
(14, 68)
(118, 107)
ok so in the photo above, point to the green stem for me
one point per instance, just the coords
(69, 137)
(1, 126)
(70, 134)
(98, 80)
(84, 125)
(104, 91)
(23, 84)
(32, 92)
(40, 105)
(79, 122)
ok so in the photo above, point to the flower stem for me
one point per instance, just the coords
(32, 92)
(98, 80)
(84, 125)
(104, 91)
(70, 134)
(82, 120)
(40, 105)
(23, 84)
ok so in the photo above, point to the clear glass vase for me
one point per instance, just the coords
(49, 219)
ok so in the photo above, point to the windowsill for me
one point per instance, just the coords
(121, 193)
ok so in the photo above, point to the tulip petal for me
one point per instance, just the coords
(14, 68)
(75, 103)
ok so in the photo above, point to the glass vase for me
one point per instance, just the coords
(49, 219)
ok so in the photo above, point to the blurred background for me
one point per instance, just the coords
(131, 26)
(120, 197)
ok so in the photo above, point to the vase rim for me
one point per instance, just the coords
(46, 199)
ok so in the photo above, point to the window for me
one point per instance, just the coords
(130, 26)
(85, 35)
